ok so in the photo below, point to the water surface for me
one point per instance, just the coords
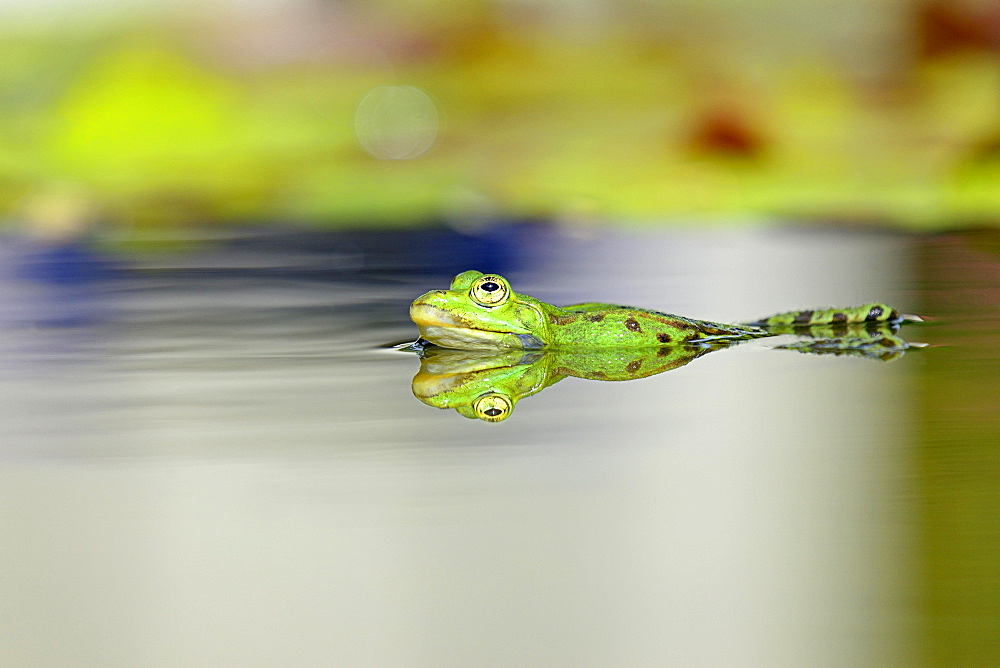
(208, 458)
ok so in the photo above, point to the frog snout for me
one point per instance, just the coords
(431, 297)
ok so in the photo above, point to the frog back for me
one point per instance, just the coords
(599, 325)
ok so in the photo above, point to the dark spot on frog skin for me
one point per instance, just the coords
(565, 371)
(561, 319)
(632, 325)
(633, 366)
(875, 313)
(802, 318)
(839, 317)
(663, 337)
(594, 317)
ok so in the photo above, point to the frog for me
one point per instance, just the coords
(480, 311)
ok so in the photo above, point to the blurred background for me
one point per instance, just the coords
(180, 113)
(214, 214)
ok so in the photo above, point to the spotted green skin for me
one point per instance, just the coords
(451, 319)
(873, 313)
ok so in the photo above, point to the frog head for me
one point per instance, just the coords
(480, 312)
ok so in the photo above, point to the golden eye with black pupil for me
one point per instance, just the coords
(489, 291)
(492, 407)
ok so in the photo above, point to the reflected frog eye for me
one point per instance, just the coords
(490, 291)
(493, 407)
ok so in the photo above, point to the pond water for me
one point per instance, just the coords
(210, 457)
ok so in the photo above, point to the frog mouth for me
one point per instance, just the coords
(445, 329)
(426, 315)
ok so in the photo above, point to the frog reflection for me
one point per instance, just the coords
(487, 385)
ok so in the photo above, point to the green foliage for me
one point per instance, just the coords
(164, 127)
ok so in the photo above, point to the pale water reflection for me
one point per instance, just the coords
(226, 469)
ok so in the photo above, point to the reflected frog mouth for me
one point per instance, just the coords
(429, 385)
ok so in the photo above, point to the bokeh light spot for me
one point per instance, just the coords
(396, 122)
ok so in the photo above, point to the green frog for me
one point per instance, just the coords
(481, 312)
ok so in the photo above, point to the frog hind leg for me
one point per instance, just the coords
(852, 315)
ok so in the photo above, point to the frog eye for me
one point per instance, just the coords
(490, 290)
(492, 407)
